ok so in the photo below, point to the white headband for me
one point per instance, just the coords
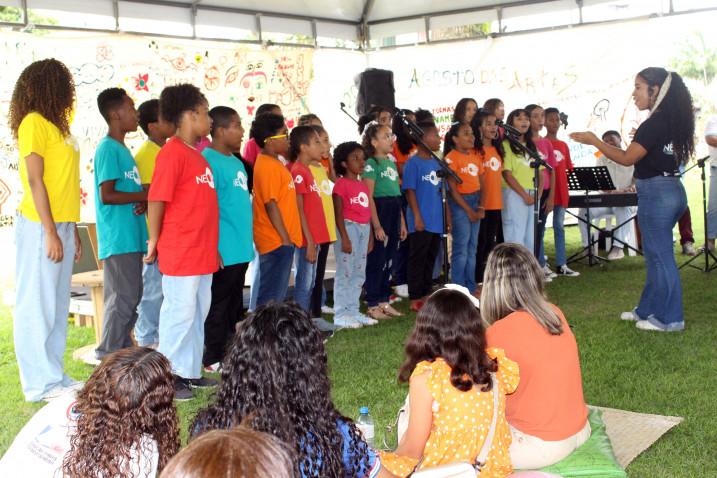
(663, 91)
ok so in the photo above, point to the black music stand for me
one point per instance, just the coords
(594, 178)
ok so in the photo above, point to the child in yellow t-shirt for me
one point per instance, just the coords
(146, 330)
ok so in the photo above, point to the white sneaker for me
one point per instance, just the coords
(401, 290)
(365, 320)
(567, 271)
(647, 325)
(688, 249)
(615, 254)
(325, 309)
(548, 279)
(216, 367)
(347, 323)
(549, 273)
(629, 316)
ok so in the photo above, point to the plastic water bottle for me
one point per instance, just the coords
(365, 424)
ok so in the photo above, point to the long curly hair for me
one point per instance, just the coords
(275, 380)
(450, 327)
(476, 124)
(678, 110)
(128, 396)
(47, 87)
(527, 137)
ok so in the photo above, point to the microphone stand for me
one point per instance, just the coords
(343, 106)
(512, 135)
(705, 250)
(417, 135)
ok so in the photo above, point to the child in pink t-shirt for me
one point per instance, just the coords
(353, 214)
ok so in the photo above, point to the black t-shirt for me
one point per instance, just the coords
(653, 136)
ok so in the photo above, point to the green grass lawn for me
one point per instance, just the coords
(667, 374)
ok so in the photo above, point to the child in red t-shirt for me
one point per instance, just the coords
(184, 235)
(305, 147)
(353, 215)
(563, 164)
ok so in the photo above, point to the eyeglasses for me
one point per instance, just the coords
(278, 136)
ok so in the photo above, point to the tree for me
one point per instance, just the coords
(696, 60)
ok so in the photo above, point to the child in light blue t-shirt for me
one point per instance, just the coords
(424, 215)
(235, 233)
(120, 203)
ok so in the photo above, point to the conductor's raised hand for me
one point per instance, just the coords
(585, 137)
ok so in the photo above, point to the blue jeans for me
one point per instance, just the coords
(559, 235)
(712, 205)
(181, 322)
(274, 273)
(465, 242)
(304, 278)
(350, 270)
(517, 219)
(146, 330)
(661, 202)
(42, 305)
(254, 281)
(379, 261)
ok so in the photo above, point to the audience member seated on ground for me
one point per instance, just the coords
(450, 391)
(240, 453)
(275, 380)
(547, 412)
(121, 424)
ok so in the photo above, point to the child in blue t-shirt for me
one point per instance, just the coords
(120, 203)
(236, 240)
(425, 218)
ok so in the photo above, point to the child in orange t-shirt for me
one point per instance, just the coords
(277, 227)
(490, 151)
(465, 201)
(450, 390)
(547, 412)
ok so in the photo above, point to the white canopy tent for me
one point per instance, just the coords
(352, 24)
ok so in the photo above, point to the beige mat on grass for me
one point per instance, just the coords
(631, 433)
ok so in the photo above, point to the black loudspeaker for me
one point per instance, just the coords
(375, 88)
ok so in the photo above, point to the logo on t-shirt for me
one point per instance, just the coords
(368, 168)
(361, 199)
(299, 179)
(314, 187)
(668, 150)
(471, 169)
(133, 175)
(206, 178)
(431, 178)
(493, 164)
(558, 156)
(390, 173)
(326, 187)
(240, 181)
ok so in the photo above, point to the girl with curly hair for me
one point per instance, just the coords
(45, 230)
(450, 389)
(121, 424)
(663, 142)
(275, 380)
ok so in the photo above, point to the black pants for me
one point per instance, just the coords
(318, 289)
(226, 310)
(490, 234)
(400, 263)
(422, 251)
(380, 259)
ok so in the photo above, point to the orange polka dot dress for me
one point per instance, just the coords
(461, 421)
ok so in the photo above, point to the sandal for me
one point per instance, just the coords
(376, 312)
(388, 309)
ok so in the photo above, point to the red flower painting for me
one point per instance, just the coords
(140, 82)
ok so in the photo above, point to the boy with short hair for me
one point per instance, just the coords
(184, 235)
(146, 330)
(236, 240)
(121, 229)
(425, 217)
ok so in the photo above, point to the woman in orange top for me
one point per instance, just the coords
(547, 412)
(450, 392)
(490, 151)
(465, 201)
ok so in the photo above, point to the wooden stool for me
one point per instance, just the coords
(94, 280)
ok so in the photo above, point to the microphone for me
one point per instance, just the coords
(564, 119)
(343, 105)
(508, 128)
(413, 128)
(701, 161)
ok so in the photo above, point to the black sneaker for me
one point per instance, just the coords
(202, 382)
(182, 392)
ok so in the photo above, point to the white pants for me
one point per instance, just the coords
(530, 453)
